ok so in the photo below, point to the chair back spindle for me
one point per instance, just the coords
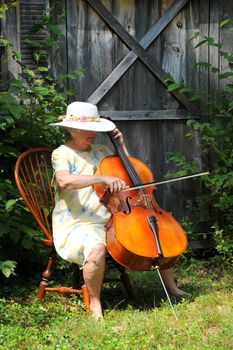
(33, 173)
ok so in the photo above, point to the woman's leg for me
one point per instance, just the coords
(170, 283)
(93, 274)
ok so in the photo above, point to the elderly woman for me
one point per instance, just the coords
(79, 218)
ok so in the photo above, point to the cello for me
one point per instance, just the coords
(139, 234)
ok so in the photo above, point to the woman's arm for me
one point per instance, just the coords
(66, 180)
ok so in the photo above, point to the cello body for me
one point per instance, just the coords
(139, 234)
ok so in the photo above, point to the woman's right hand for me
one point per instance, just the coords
(115, 184)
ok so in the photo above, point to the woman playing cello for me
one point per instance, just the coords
(79, 218)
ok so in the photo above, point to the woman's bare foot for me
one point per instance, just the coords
(176, 292)
(96, 311)
(171, 286)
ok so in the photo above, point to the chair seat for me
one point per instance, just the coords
(48, 242)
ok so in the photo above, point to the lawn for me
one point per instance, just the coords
(146, 322)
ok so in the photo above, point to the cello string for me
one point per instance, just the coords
(132, 173)
(165, 289)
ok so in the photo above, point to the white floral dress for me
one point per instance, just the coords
(79, 218)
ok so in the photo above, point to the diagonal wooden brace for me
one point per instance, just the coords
(138, 50)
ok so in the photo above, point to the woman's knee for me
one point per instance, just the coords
(97, 253)
(99, 250)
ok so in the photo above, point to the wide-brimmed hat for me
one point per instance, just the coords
(84, 116)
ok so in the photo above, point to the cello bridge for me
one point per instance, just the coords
(145, 201)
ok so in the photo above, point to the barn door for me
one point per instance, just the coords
(118, 44)
(138, 49)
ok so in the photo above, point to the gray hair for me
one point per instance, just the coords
(70, 133)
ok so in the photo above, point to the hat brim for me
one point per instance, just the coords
(102, 124)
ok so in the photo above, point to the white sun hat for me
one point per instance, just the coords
(84, 116)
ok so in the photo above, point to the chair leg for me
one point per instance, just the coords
(126, 282)
(78, 283)
(45, 276)
(41, 290)
(86, 297)
(124, 277)
(77, 280)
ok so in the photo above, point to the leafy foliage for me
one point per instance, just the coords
(214, 209)
(34, 100)
(7, 267)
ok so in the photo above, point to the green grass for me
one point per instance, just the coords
(61, 323)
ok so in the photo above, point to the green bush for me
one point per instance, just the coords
(214, 210)
(35, 99)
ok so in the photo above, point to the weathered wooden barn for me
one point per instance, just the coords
(126, 49)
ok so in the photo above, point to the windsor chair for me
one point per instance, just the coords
(33, 171)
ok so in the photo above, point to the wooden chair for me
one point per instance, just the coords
(33, 172)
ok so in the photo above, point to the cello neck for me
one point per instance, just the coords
(128, 166)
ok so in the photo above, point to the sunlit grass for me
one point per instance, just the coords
(146, 322)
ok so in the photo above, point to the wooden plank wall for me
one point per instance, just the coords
(89, 43)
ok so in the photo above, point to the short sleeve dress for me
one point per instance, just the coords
(78, 218)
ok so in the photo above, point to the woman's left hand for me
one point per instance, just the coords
(118, 135)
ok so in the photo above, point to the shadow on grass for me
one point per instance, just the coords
(148, 293)
(199, 277)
